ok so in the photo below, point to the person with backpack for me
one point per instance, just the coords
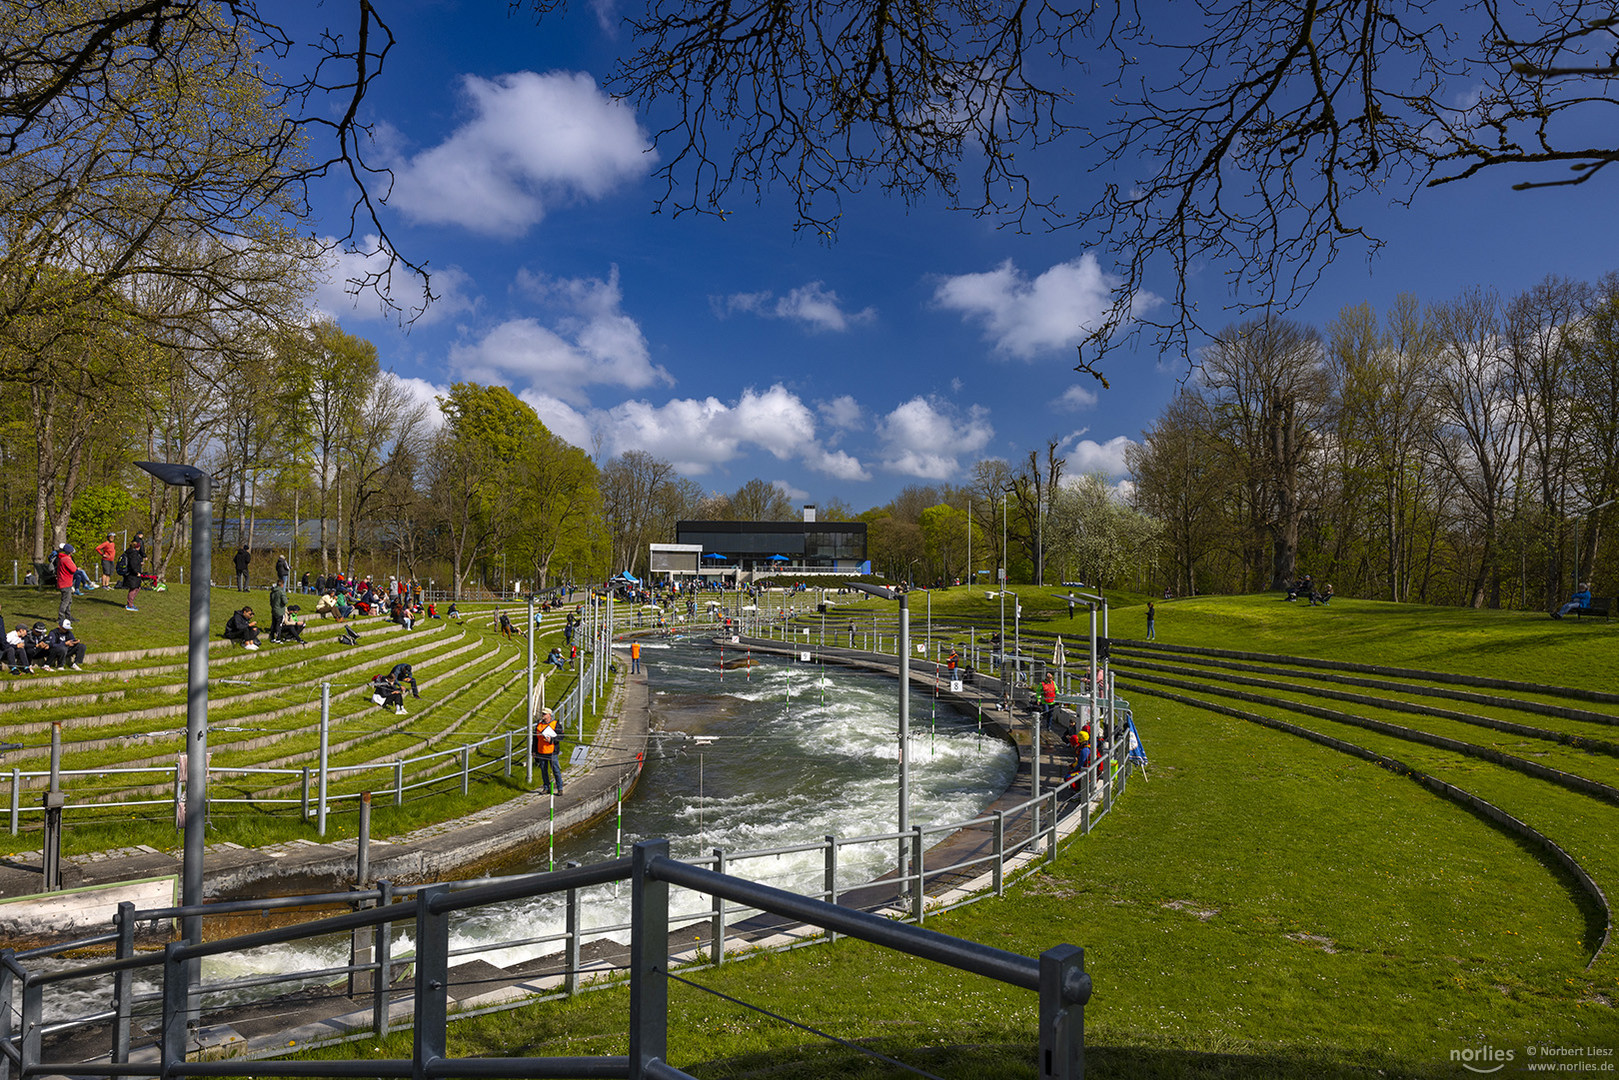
(129, 569)
(243, 627)
(62, 565)
(388, 694)
(547, 743)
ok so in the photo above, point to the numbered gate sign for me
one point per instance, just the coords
(955, 686)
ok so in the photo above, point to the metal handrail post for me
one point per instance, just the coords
(381, 949)
(1064, 990)
(172, 1042)
(123, 982)
(1000, 852)
(7, 985)
(466, 768)
(570, 971)
(325, 732)
(33, 1026)
(1051, 830)
(831, 877)
(717, 933)
(432, 982)
(919, 893)
(649, 949)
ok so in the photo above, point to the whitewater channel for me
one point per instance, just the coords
(770, 755)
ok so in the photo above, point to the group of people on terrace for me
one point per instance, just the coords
(26, 649)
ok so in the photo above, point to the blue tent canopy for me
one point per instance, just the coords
(779, 558)
(714, 555)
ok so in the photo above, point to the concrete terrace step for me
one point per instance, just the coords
(107, 795)
(221, 701)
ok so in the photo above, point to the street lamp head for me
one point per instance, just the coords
(174, 473)
(882, 592)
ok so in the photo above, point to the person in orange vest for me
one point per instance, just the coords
(547, 742)
(1048, 700)
(635, 658)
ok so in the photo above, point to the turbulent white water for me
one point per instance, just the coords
(768, 756)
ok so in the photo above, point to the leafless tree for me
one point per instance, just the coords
(1267, 387)
(1480, 424)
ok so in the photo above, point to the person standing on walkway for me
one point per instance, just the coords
(547, 741)
(1152, 626)
(134, 560)
(107, 552)
(1048, 700)
(635, 658)
(240, 561)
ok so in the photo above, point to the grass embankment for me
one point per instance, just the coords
(264, 713)
(1262, 906)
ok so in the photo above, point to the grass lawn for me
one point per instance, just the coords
(1261, 906)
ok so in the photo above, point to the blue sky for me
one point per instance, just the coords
(920, 341)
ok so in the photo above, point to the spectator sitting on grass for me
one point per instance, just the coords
(556, 659)
(326, 606)
(344, 607)
(243, 627)
(65, 650)
(388, 693)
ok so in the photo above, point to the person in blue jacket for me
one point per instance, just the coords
(1581, 599)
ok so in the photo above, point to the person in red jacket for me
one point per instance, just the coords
(64, 584)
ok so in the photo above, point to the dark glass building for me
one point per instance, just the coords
(802, 546)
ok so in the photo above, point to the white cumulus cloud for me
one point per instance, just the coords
(841, 412)
(1023, 318)
(530, 143)
(814, 305)
(928, 438)
(1076, 397)
(1090, 456)
(591, 341)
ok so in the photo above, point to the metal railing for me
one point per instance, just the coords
(504, 750)
(1019, 840)
(1057, 976)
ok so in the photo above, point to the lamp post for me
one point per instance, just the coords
(202, 515)
(904, 719)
